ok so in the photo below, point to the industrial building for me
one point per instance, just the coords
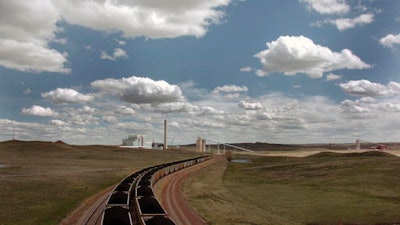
(133, 141)
(137, 141)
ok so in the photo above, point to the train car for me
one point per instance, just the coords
(117, 215)
(133, 201)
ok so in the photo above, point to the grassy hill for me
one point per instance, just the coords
(41, 182)
(322, 189)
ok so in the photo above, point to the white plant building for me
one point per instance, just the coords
(133, 141)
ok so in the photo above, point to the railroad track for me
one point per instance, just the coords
(95, 213)
(132, 201)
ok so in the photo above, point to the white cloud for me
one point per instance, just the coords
(341, 7)
(120, 42)
(124, 110)
(298, 54)
(210, 111)
(31, 57)
(118, 53)
(394, 88)
(390, 40)
(154, 19)
(140, 90)
(348, 23)
(110, 119)
(66, 95)
(274, 117)
(250, 105)
(331, 77)
(36, 110)
(83, 116)
(27, 91)
(365, 88)
(230, 89)
(171, 107)
(130, 126)
(26, 28)
(369, 107)
(59, 123)
(328, 6)
(246, 69)
(357, 106)
(86, 110)
(296, 86)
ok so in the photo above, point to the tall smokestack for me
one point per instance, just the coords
(358, 145)
(165, 135)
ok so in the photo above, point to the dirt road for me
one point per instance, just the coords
(169, 193)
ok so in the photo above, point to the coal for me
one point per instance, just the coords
(116, 216)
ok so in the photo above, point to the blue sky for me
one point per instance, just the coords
(307, 71)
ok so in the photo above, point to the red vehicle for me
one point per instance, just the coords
(380, 147)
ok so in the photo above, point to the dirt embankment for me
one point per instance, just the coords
(169, 192)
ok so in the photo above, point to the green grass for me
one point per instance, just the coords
(321, 189)
(44, 181)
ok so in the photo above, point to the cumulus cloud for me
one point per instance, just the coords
(230, 89)
(110, 119)
(348, 23)
(154, 19)
(140, 90)
(331, 77)
(83, 116)
(124, 110)
(36, 110)
(31, 57)
(328, 6)
(59, 123)
(369, 107)
(66, 95)
(357, 106)
(250, 105)
(390, 40)
(26, 28)
(171, 107)
(118, 53)
(209, 111)
(272, 117)
(298, 54)
(339, 7)
(365, 88)
(394, 88)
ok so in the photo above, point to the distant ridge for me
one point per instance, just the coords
(352, 154)
(59, 142)
(37, 142)
(264, 146)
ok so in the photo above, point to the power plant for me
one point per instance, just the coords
(137, 141)
(133, 141)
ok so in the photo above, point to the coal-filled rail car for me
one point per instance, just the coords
(133, 201)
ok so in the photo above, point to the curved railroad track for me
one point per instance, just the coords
(132, 201)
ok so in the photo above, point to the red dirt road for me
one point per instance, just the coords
(170, 195)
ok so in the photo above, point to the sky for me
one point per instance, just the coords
(288, 71)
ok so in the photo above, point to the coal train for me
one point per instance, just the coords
(132, 201)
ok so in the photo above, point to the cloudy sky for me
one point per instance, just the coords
(288, 71)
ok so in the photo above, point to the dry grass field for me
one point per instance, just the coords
(41, 182)
(321, 189)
